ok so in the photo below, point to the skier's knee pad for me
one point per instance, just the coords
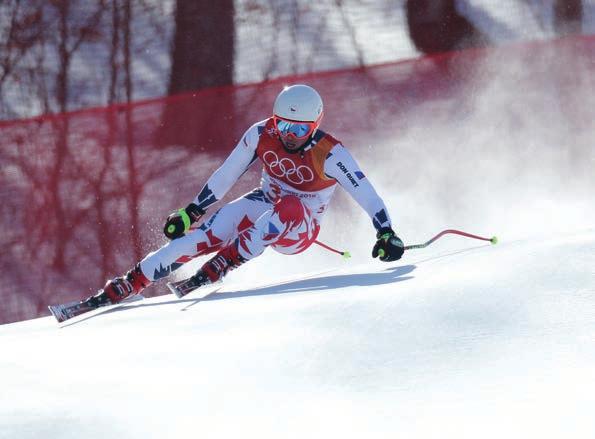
(298, 242)
(290, 210)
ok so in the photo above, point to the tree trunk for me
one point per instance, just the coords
(133, 182)
(435, 26)
(203, 48)
(568, 16)
(61, 232)
(202, 57)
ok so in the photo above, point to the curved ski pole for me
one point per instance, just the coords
(345, 254)
(493, 240)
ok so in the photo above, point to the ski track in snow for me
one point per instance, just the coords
(475, 341)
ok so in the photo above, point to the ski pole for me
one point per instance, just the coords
(493, 239)
(347, 255)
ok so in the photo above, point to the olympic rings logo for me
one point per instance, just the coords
(287, 168)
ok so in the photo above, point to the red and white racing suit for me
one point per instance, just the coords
(284, 212)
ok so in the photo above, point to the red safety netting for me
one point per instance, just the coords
(83, 195)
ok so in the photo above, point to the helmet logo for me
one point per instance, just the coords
(292, 109)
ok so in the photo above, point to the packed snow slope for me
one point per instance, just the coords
(459, 340)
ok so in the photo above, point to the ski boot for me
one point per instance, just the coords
(119, 288)
(114, 292)
(212, 271)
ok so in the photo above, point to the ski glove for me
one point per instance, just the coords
(179, 222)
(389, 246)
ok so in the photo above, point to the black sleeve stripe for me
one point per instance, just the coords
(318, 136)
(206, 197)
(380, 219)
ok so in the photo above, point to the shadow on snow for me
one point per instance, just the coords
(390, 275)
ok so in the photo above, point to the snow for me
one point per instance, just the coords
(460, 339)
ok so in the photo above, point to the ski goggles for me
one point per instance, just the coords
(292, 128)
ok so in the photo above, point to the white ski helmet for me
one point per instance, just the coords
(300, 103)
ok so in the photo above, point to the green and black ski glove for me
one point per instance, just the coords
(389, 246)
(179, 222)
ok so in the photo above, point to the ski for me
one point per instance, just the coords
(66, 311)
(183, 287)
(69, 310)
(186, 286)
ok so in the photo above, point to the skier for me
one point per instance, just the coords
(301, 168)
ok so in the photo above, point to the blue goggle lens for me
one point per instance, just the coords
(298, 129)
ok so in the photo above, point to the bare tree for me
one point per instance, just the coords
(22, 31)
(69, 39)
